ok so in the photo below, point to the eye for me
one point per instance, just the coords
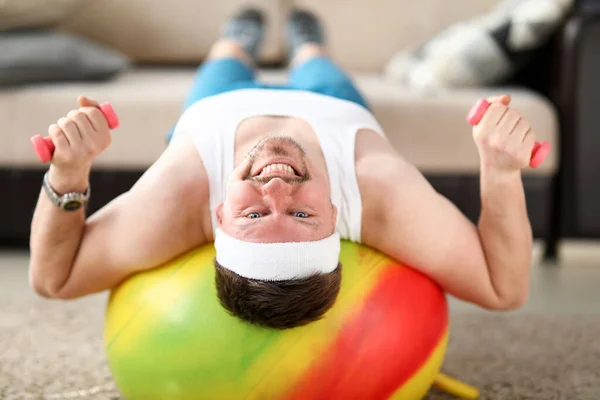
(300, 214)
(253, 215)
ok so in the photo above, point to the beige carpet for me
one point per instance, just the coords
(49, 348)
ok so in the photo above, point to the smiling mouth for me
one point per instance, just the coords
(278, 170)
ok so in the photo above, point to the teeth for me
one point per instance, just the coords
(280, 169)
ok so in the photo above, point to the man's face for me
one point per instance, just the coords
(276, 195)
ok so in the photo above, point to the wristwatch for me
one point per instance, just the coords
(69, 201)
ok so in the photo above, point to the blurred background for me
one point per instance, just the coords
(421, 65)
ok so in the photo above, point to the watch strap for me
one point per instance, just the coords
(68, 198)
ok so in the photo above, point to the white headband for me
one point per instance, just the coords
(277, 261)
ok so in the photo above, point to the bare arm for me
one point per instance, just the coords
(55, 236)
(157, 219)
(506, 236)
(487, 264)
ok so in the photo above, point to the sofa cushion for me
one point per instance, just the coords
(364, 35)
(175, 31)
(18, 14)
(429, 130)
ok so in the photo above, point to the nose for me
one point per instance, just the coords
(277, 192)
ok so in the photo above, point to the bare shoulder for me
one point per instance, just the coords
(380, 171)
(378, 165)
(180, 180)
(181, 164)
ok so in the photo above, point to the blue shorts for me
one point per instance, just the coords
(319, 75)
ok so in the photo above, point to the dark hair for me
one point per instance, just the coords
(277, 304)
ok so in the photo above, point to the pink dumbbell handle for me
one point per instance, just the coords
(44, 146)
(540, 149)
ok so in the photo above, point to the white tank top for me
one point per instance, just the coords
(213, 122)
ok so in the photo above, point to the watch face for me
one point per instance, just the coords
(72, 205)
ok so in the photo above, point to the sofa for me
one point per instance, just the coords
(167, 40)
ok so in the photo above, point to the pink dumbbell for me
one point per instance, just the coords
(540, 149)
(44, 146)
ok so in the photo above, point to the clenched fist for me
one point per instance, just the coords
(504, 139)
(79, 137)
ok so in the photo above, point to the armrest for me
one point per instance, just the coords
(575, 90)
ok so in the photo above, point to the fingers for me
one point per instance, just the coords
(81, 135)
(504, 138)
(81, 120)
(92, 109)
(504, 99)
(529, 142)
(492, 116)
(76, 128)
(86, 102)
(520, 130)
(96, 118)
(527, 146)
(517, 136)
(58, 138)
(85, 129)
(70, 130)
(509, 121)
(521, 140)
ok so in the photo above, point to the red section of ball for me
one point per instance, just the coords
(392, 334)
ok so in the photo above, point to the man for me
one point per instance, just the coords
(276, 176)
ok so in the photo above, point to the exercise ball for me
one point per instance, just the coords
(167, 337)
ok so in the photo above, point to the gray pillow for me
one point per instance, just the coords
(44, 56)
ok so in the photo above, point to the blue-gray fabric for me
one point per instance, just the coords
(45, 56)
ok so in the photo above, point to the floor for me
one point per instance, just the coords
(569, 287)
